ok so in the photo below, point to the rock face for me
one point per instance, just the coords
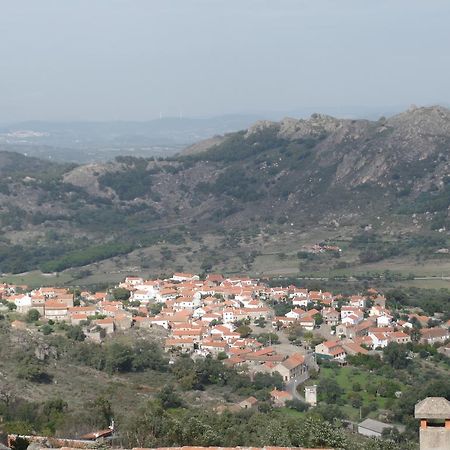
(204, 145)
(368, 152)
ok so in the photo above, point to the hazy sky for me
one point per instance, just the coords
(132, 59)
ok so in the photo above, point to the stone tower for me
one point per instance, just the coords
(434, 415)
(311, 395)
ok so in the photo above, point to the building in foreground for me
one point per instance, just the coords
(374, 428)
(434, 415)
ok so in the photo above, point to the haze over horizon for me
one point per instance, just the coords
(137, 59)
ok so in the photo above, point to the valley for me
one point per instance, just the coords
(251, 203)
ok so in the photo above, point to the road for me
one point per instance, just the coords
(291, 387)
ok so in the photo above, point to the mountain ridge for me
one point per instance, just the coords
(321, 170)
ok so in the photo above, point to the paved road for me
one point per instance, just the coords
(291, 387)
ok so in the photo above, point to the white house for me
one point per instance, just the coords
(379, 339)
(301, 301)
(351, 319)
(295, 313)
(180, 277)
(23, 303)
(162, 321)
(133, 281)
(142, 296)
(348, 310)
(198, 313)
(184, 303)
(358, 301)
(384, 321)
(228, 315)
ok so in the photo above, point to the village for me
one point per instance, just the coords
(234, 319)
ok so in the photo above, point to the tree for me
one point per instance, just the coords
(396, 355)
(388, 388)
(308, 336)
(295, 332)
(244, 330)
(145, 427)
(417, 325)
(279, 325)
(30, 368)
(32, 316)
(197, 431)
(298, 405)
(268, 338)
(314, 432)
(6, 394)
(329, 390)
(221, 356)
(118, 358)
(265, 380)
(101, 410)
(392, 434)
(169, 397)
(121, 294)
(53, 410)
(12, 306)
(75, 333)
(415, 334)
(355, 399)
(318, 319)
(261, 322)
(328, 412)
(155, 308)
(46, 329)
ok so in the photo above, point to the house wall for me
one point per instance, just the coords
(435, 438)
(322, 350)
(56, 314)
(282, 371)
(367, 432)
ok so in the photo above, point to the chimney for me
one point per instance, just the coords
(434, 415)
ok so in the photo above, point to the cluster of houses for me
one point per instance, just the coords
(205, 317)
(96, 312)
(365, 324)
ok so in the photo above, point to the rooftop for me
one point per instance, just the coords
(432, 408)
(377, 426)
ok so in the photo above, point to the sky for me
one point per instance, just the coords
(137, 59)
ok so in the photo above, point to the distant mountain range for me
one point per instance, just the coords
(84, 142)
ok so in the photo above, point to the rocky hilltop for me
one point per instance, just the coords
(304, 172)
(365, 151)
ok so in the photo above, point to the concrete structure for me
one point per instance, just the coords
(292, 367)
(374, 428)
(311, 395)
(248, 403)
(279, 398)
(433, 335)
(330, 350)
(434, 415)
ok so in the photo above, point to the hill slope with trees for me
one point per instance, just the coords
(293, 175)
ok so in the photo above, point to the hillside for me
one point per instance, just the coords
(380, 186)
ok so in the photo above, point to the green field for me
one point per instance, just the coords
(346, 377)
(37, 279)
